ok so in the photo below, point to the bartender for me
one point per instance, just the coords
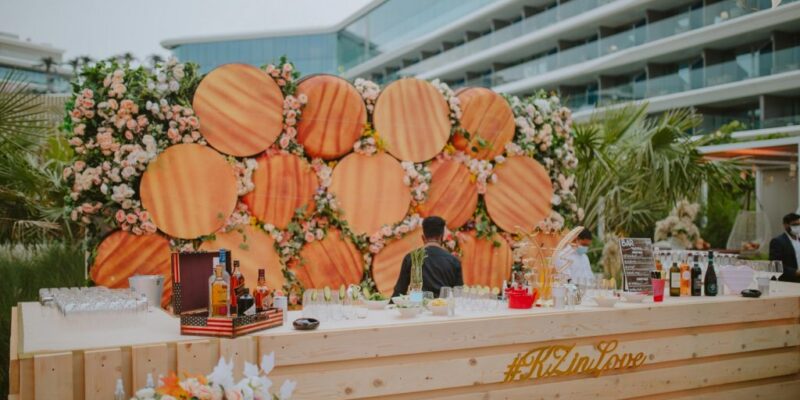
(576, 258)
(439, 269)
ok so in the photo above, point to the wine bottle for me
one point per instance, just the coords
(697, 278)
(674, 280)
(711, 276)
(686, 278)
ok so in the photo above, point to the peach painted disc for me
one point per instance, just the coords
(333, 118)
(254, 249)
(332, 261)
(122, 255)
(283, 183)
(189, 190)
(370, 191)
(521, 197)
(489, 120)
(452, 195)
(386, 264)
(413, 120)
(240, 109)
(483, 261)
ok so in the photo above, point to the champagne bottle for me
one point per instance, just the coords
(697, 278)
(674, 280)
(711, 276)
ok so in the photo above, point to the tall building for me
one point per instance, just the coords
(729, 59)
(37, 64)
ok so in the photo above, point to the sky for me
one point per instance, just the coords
(104, 28)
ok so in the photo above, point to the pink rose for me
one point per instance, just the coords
(131, 218)
(284, 142)
(120, 216)
(309, 237)
(281, 82)
(79, 165)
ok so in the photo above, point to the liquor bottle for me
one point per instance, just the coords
(246, 304)
(686, 278)
(697, 278)
(219, 295)
(261, 293)
(711, 276)
(237, 281)
(223, 258)
(674, 280)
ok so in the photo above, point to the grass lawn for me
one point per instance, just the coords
(22, 273)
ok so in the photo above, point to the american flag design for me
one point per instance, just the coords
(200, 324)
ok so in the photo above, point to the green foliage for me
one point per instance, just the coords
(32, 155)
(632, 168)
(25, 270)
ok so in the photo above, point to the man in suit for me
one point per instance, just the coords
(786, 247)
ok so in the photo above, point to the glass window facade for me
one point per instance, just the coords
(57, 83)
(310, 53)
(386, 27)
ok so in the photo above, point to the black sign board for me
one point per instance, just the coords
(637, 262)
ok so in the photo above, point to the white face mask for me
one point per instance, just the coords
(795, 229)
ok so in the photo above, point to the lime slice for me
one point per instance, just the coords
(495, 290)
(342, 292)
(366, 291)
(327, 294)
(313, 295)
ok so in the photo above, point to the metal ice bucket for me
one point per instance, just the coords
(150, 285)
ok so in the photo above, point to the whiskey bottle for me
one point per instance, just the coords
(237, 282)
(674, 280)
(219, 295)
(261, 293)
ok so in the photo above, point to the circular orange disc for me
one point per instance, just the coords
(333, 118)
(240, 109)
(413, 119)
(189, 190)
(370, 191)
(283, 183)
(489, 120)
(254, 249)
(452, 194)
(386, 264)
(483, 261)
(332, 261)
(122, 255)
(521, 197)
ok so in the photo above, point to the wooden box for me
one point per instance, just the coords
(190, 273)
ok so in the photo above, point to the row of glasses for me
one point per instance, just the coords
(334, 308)
(96, 299)
(475, 299)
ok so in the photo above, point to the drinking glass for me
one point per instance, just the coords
(446, 293)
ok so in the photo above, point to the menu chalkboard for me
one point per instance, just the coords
(637, 262)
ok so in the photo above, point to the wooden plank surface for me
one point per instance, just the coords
(53, 376)
(643, 382)
(782, 387)
(102, 368)
(26, 383)
(468, 367)
(239, 350)
(337, 345)
(197, 356)
(148, 360)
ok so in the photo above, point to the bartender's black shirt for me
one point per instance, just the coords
(439, 269)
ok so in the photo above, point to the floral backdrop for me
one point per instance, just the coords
(120, 118)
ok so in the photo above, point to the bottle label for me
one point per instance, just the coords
(251, 310)
(686, 275)
(675, 280)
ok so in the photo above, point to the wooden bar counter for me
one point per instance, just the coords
(725, 347)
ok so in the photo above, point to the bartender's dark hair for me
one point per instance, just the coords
(433, 227)
(789, 218)
(585, 234)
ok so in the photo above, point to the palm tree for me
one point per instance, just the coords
(85, 60)
(48, 63)
(74, 63)
(126, 57)
(633, 168)
(31, 192)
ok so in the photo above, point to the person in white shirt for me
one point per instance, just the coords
(575, 256)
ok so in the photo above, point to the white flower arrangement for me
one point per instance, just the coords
(679, 225)
(369, 92)
(220, 384)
